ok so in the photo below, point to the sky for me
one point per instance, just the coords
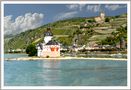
(21, 17)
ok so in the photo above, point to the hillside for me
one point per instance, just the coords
(84, 30)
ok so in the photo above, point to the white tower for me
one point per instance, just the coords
(48, 36)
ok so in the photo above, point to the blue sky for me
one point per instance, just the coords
(46, 13)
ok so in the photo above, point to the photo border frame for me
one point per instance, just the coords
(64, 87)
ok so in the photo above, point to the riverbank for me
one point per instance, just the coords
(65, 58)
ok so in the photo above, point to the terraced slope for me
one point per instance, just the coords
(65, 31)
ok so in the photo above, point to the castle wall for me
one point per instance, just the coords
(49, 51)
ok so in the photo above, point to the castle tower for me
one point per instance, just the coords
(122, 43)
(100, 18)
(48, 35)
(102, 15)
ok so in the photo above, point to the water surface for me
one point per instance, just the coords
(65, 73)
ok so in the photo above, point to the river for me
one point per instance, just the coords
(64, 72)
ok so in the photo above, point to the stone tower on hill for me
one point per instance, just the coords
(100, 18)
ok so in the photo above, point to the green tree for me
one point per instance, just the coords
(107, 19)
(91, 20)
(31, 50)
(122, 32)
(115, 37)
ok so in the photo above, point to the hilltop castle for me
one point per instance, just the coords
(100, 18)
(49, 48)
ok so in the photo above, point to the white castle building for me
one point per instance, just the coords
(49, 48)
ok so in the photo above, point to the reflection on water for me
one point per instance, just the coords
(65, 73)
(51, 72)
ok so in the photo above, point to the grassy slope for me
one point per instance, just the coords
(64, 27)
